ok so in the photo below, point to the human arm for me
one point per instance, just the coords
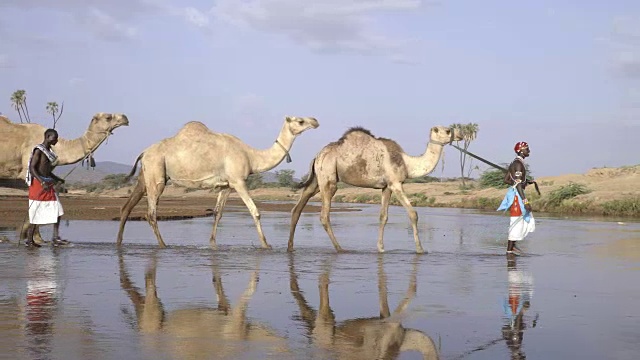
(57, 179)
(519, 174)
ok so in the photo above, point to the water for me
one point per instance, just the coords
(574, 295)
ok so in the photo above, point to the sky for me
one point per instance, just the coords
(563, 76)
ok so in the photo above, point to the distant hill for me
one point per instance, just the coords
(91, 175)
(82, 174)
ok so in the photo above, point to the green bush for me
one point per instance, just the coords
(571, 190)
(422, 180)
(624, 207)
(493, 178)
(255, 181)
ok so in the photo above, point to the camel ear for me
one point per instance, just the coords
(288, 118)
(435, 129)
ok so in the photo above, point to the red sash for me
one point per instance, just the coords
(36, 192)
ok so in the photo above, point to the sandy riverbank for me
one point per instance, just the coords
(606, 186)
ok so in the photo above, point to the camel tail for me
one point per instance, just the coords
(135, 167)
(309, 178)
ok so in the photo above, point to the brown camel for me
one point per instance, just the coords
(197, 332)
(20, 139)
(199, 157)
(360, 159)
(380, 337)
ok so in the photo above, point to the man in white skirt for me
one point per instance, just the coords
(44, 204)
(522, 222)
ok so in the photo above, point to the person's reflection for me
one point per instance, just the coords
(41, 301)
(515, 306)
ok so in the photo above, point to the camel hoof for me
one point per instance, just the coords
(381, 250)
(340, 251)
(290, 249)
(267, 247)
(421, 251)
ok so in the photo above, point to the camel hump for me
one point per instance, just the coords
(5, 119)
(193, 128)
(356, 131)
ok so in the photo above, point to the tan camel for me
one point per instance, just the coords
(197, 332)
(199, 157)
(20, 139)
(381, 337)
(360, 159)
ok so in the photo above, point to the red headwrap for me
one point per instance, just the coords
(519, 146)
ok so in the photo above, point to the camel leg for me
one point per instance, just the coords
(325, 319)
(384, 216)
(241, 189)
(307, 193)
(382, 289)
(135, 197)
(326, 192)
(239, 312)
(411, 291)
(221, 297)
(217, 213)
(413, 215)
(154, 191)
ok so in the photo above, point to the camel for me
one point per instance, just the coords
(197, 332)
(380, 337)
(198, 157)
(360, 159)
(20, 139)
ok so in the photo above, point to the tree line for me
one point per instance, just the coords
(19, 104)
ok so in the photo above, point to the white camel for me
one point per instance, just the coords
(198, 157)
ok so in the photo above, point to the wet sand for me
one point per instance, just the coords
(572, 296)
(13, 209)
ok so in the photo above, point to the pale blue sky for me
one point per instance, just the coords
(561, 75)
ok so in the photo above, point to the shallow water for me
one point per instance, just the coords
(574, 296)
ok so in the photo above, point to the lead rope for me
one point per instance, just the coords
(288, 157)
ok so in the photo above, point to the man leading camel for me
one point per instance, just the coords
(522, 221)
(44, 205)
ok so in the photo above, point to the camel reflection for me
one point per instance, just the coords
(380, 337)
(198, 333)
(515, 305)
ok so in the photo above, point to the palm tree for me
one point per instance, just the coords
(17, 98)
(52, 108)
(469, 133)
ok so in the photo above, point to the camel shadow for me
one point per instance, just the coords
(221, 332)
(378, 337)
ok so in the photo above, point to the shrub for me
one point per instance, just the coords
(493, 178)
(624, 207)
(571, 190)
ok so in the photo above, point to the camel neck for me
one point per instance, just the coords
(418, 166)
(72, 151)
(267, 159)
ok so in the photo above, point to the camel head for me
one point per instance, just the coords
(444, 135)
(107, 122)
(297, 124)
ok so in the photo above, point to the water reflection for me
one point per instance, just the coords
(223, 332)
(516, 304)
(379, 337)
(41, 302)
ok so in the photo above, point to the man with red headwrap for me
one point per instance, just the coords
(522, 221)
